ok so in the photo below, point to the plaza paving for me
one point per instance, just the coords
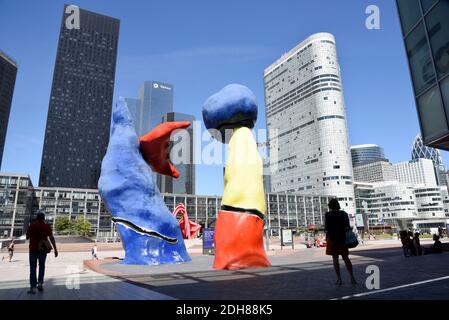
(295, 274)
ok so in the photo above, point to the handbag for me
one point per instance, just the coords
(351, 239)
(45, 246)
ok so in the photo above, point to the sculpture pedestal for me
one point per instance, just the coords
(239, 241)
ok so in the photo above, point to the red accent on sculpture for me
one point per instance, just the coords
(154, 147)
(240, 236)
(189, 229)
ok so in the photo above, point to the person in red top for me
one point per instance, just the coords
(36, 232)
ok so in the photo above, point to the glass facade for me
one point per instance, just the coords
(306, 122)
(16, 203)
(79, 113)
(367, 153)
(425, 28)
(8, 72)
(74, 203)
(398, 204)
(185, 162)
(283, 210)
(154, 102)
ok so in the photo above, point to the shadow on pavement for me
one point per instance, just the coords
(307, 280)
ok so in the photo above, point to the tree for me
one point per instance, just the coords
(82, 226)
(63, 225)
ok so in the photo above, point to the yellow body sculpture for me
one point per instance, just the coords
(243, 180)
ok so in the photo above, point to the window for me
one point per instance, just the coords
(409, 12)
(431, 114)
(420, 61)
(426, 4)
(438, 29)
(444, 85)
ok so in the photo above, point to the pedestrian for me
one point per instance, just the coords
(94, 251)
(411, 243)
(10, 251)
(336, 225)
(417, 244)
(437, 245)
(405, 240)
(40, 235)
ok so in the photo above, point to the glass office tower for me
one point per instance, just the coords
(8, 72)
(185, 184)
(154, 102)
(79, 113)
(425, 29)
(366, 153)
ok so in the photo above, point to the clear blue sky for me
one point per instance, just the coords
(199, 46)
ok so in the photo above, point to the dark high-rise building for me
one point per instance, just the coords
(79, 113)
(154, 102)
(425, 29)
(185, 154)
(8, 72)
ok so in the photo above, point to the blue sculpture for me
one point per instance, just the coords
(149, 232)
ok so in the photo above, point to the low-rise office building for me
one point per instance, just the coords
(20, 200)
(374, 172)
(398, 204)
(418, 171)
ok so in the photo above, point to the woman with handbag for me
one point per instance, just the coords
(337, 226)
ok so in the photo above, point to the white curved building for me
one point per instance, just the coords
(306, 122)
(420, 151)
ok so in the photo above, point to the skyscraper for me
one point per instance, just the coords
(420, 151)
(154, 102)
(304, 103)
(425, 29)
(8, 72)
(185, 184)
(366, 153)
(79, 113)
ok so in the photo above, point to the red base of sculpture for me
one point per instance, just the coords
(239, 241)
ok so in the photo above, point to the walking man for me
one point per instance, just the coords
(39, 233)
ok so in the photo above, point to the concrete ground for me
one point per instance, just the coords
(295, 274)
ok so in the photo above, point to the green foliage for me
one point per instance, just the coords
(383, 236)
(82, 226)
(63, 225)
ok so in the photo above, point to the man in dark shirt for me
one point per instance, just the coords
(36, 233)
